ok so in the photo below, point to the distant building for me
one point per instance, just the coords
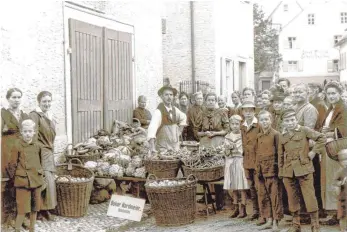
(342, 45)
(210, 42)
(307, 39)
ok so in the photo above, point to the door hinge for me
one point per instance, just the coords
(133, 59)
(69, 50)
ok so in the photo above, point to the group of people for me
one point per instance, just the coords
(27, 161)
(275, 146)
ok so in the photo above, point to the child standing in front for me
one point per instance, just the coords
(269, 190)
(25, 167)
(234, 173)
(341, 183)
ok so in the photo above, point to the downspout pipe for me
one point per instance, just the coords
(192, 44)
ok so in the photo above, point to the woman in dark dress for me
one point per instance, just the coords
(45, 126)
(11, 118)
(335, 119)
(184, 106)
(214, 127)
(194, 116)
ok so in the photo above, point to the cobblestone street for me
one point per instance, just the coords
(97, 221)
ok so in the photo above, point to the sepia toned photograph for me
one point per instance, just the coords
(173, 115)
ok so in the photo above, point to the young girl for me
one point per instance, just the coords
(234, 174)
(341, 183)
(25, 167)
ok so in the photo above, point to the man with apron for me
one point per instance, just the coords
(167, 123)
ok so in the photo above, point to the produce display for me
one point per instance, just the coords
(69, 178)
(166, 183)
(122, 152)
(204, 158)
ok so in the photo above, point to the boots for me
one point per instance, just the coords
(267, 225)
(275, 226)
(314, 221)
(261, 221)
(236, 211)
(243, 212)
(296, 223)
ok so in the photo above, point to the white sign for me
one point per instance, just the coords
(126, 207)
(314, 54)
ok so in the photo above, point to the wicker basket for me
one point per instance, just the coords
(73, 198)
(163, 168)
(205, 174)
(89, 156)
(173, 205)
(335, 146)
(190, 146)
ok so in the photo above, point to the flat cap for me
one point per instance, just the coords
(248, 104)
(288, 113)
(278, 97)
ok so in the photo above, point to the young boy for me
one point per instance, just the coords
(296, 168)
(249, 131)
(341, 190)
(269, 194)
(25, 167)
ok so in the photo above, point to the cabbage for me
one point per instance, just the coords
(91, 165)
(140, 172)
(136, 161)
(130, 170)
(116, 170)
(123, 160)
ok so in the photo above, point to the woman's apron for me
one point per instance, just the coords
(211, 142)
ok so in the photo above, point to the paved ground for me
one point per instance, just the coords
(97, 221)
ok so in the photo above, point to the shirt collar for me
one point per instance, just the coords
(48, 114)
(254, 121)
(168, 108)
(297, 128)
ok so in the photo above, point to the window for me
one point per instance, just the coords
(337, 38)
(343, 17)
(163, 26)
(333, 65)
(292, 42)
(343, 61)
(265, 84)
(310, 19)
(285, 7)
(292, 66)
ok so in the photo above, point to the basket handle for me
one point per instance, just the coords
(64, 176)
(151, 177)
(69, 165)
(192, 178)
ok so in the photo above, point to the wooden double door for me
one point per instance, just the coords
(101, 78)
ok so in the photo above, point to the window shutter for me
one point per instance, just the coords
(300, 65)
(163, 26)
(285, 66)
(286, 43)
(330, 66)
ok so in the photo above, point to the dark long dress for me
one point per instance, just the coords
(10, 134)
(45, 137)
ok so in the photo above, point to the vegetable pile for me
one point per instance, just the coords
(204, 158)
(168, 183)
(68, 178)
(122, 152)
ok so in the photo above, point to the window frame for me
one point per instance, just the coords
(292, 42)
(293, 66)
(343, 17)
(311, 19)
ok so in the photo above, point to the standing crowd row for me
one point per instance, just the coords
(275, 147)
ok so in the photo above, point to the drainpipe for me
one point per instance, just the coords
(192, 44)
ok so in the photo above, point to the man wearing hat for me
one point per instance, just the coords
(167, 122)
(250, 130)
(296, 168)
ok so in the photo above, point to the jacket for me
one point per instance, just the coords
(25, 165)
(293, 151)
(249, 137)
(266, 153)
(322, 109)
(339, 118)
(143, 115)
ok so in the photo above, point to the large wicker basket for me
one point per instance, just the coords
(335, 146)
(89, 156)
(73, 197)
(173, 205)
(163, 168)
(205, 174)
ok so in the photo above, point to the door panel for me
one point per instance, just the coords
(118, 77)
(87, 79)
